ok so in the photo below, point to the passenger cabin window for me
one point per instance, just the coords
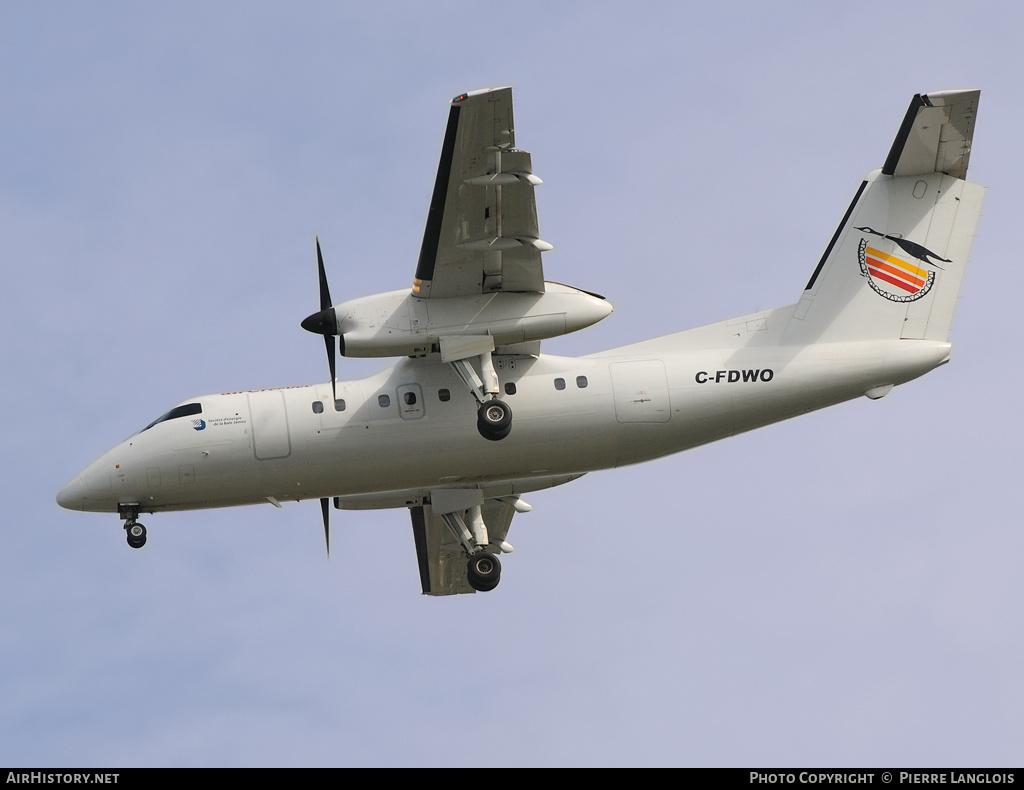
(444, 395)
(559, 384)
(581, 382)
(185, 410)
(383, 401)
(339, 405)
(510, 388)
(409, 398)
(318, 407)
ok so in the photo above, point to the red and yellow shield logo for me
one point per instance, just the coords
(891, 276)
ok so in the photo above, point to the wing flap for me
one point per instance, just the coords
(441, 559)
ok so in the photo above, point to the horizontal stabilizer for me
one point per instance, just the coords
(935, 136)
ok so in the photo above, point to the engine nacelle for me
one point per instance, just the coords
(401, 324)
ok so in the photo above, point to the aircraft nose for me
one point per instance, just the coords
(88, 490)
(72, 496)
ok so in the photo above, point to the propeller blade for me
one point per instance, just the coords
(325, 322)
(325, 292)
(325, 506)
(329, 341)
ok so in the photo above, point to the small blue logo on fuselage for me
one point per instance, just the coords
(198, 425)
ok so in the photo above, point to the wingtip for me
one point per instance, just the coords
(480, 92)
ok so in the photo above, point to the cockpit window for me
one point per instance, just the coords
(185, 410)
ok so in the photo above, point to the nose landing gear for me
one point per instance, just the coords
(134, 531)
(136, 534)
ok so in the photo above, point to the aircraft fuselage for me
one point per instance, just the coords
(409, 429)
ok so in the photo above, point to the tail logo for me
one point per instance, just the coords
(892, 276)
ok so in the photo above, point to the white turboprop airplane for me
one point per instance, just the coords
(435, 433)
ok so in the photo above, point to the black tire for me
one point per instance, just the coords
(481, 587)
(494, 419)
(494, 437)
(136, 535)
(483, 571)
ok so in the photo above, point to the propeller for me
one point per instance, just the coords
(324, 322)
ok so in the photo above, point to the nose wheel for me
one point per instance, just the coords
(136, 534)
(134, 531)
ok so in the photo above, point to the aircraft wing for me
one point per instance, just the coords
(441, 557)
(481, 234)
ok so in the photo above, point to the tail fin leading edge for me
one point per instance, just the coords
(895, 265)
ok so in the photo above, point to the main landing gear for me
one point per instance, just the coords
(483, 569)
(493, 416)
(134, 531)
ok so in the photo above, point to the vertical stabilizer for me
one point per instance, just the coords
(895, 265)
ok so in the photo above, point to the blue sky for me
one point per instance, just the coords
(760, 601)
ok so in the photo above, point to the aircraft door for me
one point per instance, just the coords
(641, 391)
(410, 401)
(269, 424)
